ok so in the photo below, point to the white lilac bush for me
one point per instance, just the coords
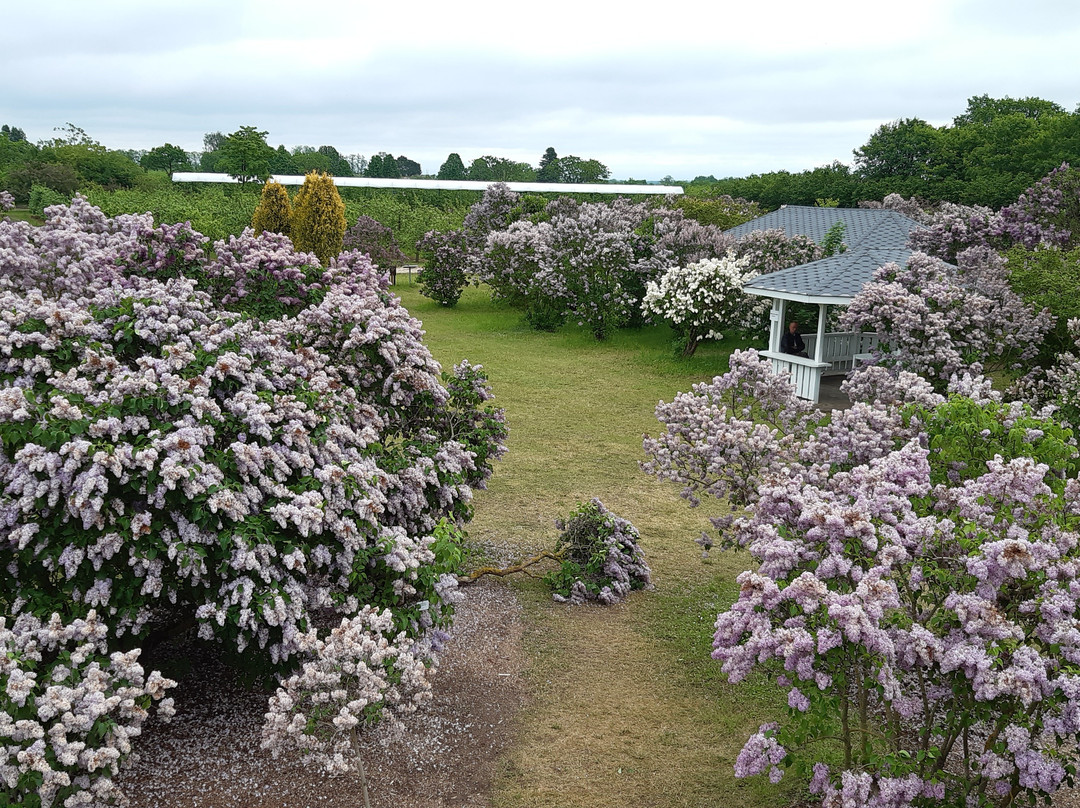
(169, 462)
(704, 299)
(913, 590)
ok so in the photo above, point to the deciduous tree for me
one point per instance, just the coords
(245, 155)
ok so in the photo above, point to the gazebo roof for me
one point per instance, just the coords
(874, 237)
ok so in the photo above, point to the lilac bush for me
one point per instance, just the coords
(602, 558)
(446, 265)
(1046, 213)
(914, 584)
(7, 201)
(772, 250)
(362, 672)
(167, 461)
(937, 320)
(953, 228)
(704, 299)
(496, 210)
(375, 239)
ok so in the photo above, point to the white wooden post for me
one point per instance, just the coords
(776, 324)
(819, 347)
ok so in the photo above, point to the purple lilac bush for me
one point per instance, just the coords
(937, 320)
(915, 588)
(602, 558)
(1047, 213)
(166, 460)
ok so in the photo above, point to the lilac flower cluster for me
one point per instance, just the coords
(936, 320)
(927, 622)
(362, 672)
(7, 201)
(71, 710)
(602, 558)
(166, 459)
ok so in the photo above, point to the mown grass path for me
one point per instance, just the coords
(626, 708)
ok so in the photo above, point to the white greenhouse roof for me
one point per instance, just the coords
(449, 185)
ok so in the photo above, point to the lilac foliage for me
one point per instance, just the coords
(937, 320)
(167, 460)
(926, 621)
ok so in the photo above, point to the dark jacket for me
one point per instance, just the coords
(792, 343)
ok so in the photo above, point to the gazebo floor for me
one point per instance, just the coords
(830, 397)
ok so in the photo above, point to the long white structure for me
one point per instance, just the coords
(449, 185)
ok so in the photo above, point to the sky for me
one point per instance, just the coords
(676, 89)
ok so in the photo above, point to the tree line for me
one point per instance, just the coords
(988, 155)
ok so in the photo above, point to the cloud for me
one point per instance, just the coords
(689, 89)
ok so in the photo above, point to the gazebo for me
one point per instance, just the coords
(874, 237)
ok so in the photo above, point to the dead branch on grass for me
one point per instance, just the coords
(502, 572)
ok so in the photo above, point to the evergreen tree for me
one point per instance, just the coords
(549, 170)
(273, 213)
(453, 168)
(318, 219)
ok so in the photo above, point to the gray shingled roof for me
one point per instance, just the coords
(873, 238)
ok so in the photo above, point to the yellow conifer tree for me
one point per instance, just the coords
(318, 219)
(273, 213)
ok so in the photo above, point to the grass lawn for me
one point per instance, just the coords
(626, 708)
(23, 215)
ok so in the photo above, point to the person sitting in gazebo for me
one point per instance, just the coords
(792, 342)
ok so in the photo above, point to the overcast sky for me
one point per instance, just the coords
(673, 87)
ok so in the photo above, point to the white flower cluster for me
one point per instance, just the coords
(703, 299)
(71, 710)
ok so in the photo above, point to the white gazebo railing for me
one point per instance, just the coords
(805, 374)
(827, 353)
(840, 348)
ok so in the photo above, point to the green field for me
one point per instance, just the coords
(625, 705)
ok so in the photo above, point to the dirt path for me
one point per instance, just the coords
(209, 755)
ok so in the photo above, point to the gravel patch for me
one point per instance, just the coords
(209, 755)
